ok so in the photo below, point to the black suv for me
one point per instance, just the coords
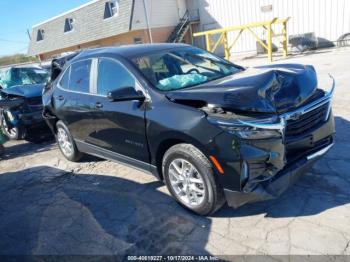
(212, 130)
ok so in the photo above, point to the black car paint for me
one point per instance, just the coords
(268, 89)
(123, 120)
(138, 133)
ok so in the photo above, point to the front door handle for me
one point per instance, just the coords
(60, 97)
(98, 105)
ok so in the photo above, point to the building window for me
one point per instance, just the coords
(40, 35)
(138, 40)
(111, 9)
(68, 25)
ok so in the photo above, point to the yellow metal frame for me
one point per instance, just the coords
(212, 45)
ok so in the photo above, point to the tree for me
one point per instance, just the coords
(17, 59)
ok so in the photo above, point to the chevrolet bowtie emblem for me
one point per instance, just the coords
(295, 116)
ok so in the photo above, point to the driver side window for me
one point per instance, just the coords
(111, 76)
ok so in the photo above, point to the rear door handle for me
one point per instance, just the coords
(98, 105)
(61, 97)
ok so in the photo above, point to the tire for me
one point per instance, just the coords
(15, 133)
(66, 143)
(178, 158)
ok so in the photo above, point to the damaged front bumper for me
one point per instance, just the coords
(33, 118)
(15, 118)
(262, 169)
(17, 113)
(278, 184)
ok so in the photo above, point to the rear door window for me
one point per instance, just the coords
(79, 79)
(112, 76)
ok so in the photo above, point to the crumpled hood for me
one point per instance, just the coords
(27, 91)
(265, 89)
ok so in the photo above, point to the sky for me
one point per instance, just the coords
(18, 16)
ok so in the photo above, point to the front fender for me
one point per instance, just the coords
(173, 123)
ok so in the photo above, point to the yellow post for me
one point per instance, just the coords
(218, 42)
(284, 39)
(227, 50)
(269, 42)
(267, 25)
(207, 42)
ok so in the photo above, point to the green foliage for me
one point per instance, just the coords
(17, 59)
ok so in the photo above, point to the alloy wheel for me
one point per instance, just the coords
(64, 142)
(187, 182)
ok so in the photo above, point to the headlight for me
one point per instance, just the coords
(252, 133)
(10, 116)
(257, 129)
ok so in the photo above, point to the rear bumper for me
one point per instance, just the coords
(278, 184)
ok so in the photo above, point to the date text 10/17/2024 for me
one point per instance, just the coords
(172, 258)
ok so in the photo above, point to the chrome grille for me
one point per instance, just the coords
(307, 121)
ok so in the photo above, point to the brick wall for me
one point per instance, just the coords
(159, 35)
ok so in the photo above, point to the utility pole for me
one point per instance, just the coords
(30, 38)
(147, 21)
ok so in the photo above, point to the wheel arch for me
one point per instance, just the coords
(51, 120)
(169, 141)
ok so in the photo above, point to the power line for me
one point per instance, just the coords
(12, 41)
(21, 50)
(12, 32)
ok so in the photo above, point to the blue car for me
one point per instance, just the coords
(20, 100)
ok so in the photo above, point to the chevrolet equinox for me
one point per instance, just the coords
(213, 131)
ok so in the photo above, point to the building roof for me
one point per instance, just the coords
(89, 24)
(97, 20)
(101, 19)
(65, 13)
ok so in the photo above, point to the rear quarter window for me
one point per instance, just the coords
(79, 79)
(64, 82)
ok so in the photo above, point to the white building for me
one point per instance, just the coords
(114, 22)
(325, 21)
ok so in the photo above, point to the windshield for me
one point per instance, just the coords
(23, 76)
(181, 68)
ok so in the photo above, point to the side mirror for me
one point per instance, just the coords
(125, 94)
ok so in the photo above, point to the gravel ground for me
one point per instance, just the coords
(51, 206)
